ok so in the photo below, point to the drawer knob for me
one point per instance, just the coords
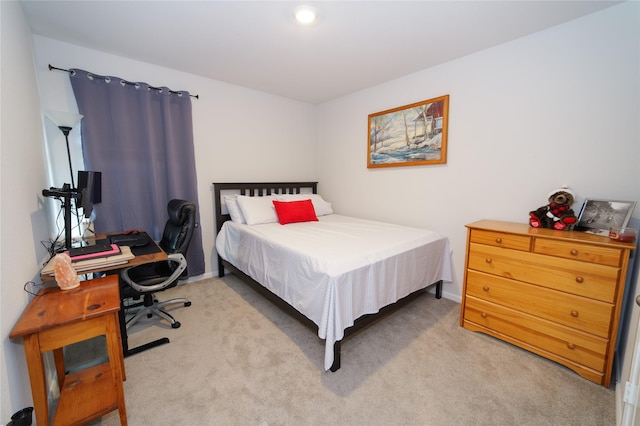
(499, 240)
(574, 314)
(571, 346)
(574, 252)
(483, 315)
(485, 288)
(579, 280)
(488, 260)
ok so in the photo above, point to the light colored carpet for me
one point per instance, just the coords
(239, 360)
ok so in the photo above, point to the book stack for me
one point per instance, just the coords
(81, 263)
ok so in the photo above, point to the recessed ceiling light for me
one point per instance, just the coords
(305, 14)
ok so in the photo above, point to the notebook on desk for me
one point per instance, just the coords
(90, 252)
(94, 263)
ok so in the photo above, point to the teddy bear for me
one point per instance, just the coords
(557, 214)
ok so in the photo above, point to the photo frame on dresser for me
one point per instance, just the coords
(597, 216)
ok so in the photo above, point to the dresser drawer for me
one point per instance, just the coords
(501, 239)
(591, 316)
(568, 343)
(572, 276)
(584, 252)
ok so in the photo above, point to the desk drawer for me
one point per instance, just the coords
(571, 276)
(568, 343)
(588, 315)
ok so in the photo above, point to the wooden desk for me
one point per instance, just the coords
(137, 260)
(57, 318)
(158, 256)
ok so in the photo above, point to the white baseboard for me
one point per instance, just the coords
(204, 276)
(452, 296)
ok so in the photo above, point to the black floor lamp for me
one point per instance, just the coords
(65, 121)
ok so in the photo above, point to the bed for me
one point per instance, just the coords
(335, 273)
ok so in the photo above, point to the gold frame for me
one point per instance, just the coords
(390, 143)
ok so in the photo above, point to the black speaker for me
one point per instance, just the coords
(89, 190)
(90, 183)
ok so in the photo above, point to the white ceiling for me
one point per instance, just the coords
(256, 44)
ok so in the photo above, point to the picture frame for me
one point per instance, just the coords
(410, 135)
(597, 216)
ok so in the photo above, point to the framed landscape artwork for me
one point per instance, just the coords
(597, 216)
(410, 135)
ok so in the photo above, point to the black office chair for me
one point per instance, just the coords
(146, 280)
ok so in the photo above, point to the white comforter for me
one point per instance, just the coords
(338, 269)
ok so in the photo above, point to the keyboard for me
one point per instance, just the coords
(95, 248)
(133, 240)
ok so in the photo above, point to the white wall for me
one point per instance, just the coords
(557, 107)
(239, 134)
(22, 178)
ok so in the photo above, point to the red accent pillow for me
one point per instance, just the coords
(295, 211)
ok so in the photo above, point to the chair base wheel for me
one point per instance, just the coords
(187, 303)
(175, 325)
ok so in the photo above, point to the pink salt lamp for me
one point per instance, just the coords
(65, 275)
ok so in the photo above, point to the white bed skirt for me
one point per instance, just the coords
(338, 269)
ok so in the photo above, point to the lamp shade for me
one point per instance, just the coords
(63, 118)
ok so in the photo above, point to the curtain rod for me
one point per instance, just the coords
(51, 68)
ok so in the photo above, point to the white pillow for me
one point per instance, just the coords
(321, 206)
(231, 201)
(256, 210)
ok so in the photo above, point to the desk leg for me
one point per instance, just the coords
(125, 339)
(38, 378)
(58, 357)
(120, 349)
(123, 329)
(117, 363)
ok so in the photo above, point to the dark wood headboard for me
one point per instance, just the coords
(255, 189)
(252, 189)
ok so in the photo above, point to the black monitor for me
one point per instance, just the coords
(89, 190)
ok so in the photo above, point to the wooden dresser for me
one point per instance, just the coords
(555, 293)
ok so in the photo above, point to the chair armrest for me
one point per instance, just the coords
(173, 257)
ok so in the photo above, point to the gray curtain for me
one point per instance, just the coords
(141, 139)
